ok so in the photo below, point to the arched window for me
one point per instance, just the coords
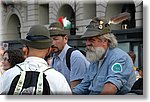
(67, 11)
(130, 23)
(44, 14)
(13, 28)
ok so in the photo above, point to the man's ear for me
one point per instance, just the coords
(25, 51)
(105, 42)
(66, 38)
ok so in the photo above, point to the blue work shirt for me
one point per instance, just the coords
(78, 61)
(116, 67)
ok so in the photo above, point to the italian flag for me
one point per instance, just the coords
(65, 23)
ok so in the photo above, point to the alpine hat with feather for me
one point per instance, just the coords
(100, 26)
(38, 37)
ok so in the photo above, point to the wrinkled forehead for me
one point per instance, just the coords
(94, 38)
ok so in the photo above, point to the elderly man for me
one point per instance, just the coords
(111, 69)
(38, 45)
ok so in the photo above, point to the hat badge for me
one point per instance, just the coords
(101, 25)
(52, 28)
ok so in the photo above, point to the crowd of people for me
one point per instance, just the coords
(105, 70)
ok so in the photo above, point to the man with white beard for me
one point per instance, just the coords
(111, 69)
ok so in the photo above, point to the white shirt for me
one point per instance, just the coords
(57, 82)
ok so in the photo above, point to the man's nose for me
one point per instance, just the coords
(53, 42)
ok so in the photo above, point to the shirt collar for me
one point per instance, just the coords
(35, 64)
(36, 59)
(63, 52)
(106, 54)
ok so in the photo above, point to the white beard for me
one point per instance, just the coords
(94, 54)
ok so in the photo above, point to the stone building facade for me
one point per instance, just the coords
(17, 16)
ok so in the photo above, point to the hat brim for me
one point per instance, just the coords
(37, 44)
(94, 32)
(57, 33)
(90, 33)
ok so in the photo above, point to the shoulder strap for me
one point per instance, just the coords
(20, 83)
(46, 90)
(31, 74)
(47, 69)
(68, 55)
(39, 89)
(19, 67)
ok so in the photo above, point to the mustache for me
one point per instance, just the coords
(90, 48)
(54, 46)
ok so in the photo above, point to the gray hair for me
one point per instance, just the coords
(112, 39)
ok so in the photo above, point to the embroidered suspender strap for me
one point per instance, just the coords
(20, 83)
(39, 89)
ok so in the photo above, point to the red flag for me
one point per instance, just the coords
(61, 20)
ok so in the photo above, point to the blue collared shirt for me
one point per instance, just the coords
(79, 64)
(123, 77)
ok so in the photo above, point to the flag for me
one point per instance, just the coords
(65, 23)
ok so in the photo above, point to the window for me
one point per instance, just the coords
(44, 14)
(89, 10)
(124, 46)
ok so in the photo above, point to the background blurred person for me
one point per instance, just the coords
(133, 57)
(1, 59)
(11, 57)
